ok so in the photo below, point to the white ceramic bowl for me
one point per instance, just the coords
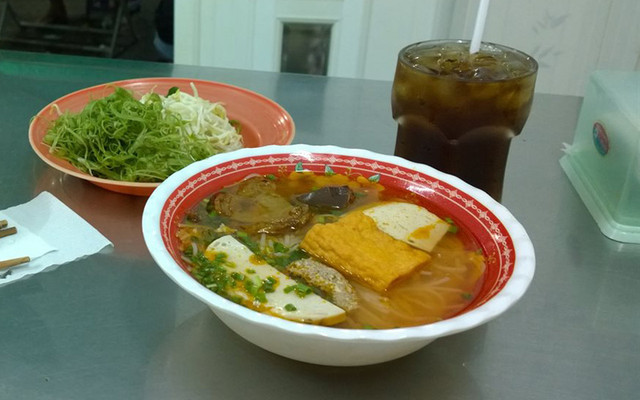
(510, 254)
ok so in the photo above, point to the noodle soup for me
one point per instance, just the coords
(440, 283)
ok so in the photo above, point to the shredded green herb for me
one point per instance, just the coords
(290, 307)
(121, 138)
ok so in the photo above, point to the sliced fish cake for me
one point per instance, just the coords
(409, 223)
(286, 301)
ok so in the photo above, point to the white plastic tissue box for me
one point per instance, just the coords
(603, 163)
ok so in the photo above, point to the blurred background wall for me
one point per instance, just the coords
(569, 38)
(81, 27)
(345, 38)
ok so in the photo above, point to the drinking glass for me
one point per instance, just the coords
(458, 112)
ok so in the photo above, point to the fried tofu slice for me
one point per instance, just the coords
(358, 249)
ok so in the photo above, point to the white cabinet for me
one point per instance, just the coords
(569, 38)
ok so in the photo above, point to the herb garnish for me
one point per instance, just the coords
(120, 138)
(453, 228)
(284, 256)
(300, 289)
(214, 275)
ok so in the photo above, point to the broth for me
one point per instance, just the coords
(438, 290)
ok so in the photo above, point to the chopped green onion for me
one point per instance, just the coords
(261, 297)
(300, 289)
(453, 228)
(328, 171)
(290, 307)
(374, 178)
(237, 276)
(268, 285)
(280, 248)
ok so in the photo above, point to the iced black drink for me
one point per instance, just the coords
(458, 112)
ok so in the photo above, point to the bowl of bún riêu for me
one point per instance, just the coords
(336, 256)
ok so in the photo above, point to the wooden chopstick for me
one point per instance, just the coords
(9, 231)
(13, 262)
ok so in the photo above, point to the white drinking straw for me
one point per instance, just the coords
(481, 17)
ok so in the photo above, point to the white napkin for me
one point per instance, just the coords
(50, 233)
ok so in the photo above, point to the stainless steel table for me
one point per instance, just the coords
(113, 326)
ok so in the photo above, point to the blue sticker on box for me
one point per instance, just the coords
(600, 138)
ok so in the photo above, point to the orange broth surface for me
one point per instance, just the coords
(442, 288)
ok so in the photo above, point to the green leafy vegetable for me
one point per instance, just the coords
(121, 138)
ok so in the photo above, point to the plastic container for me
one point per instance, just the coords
(603, 163)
